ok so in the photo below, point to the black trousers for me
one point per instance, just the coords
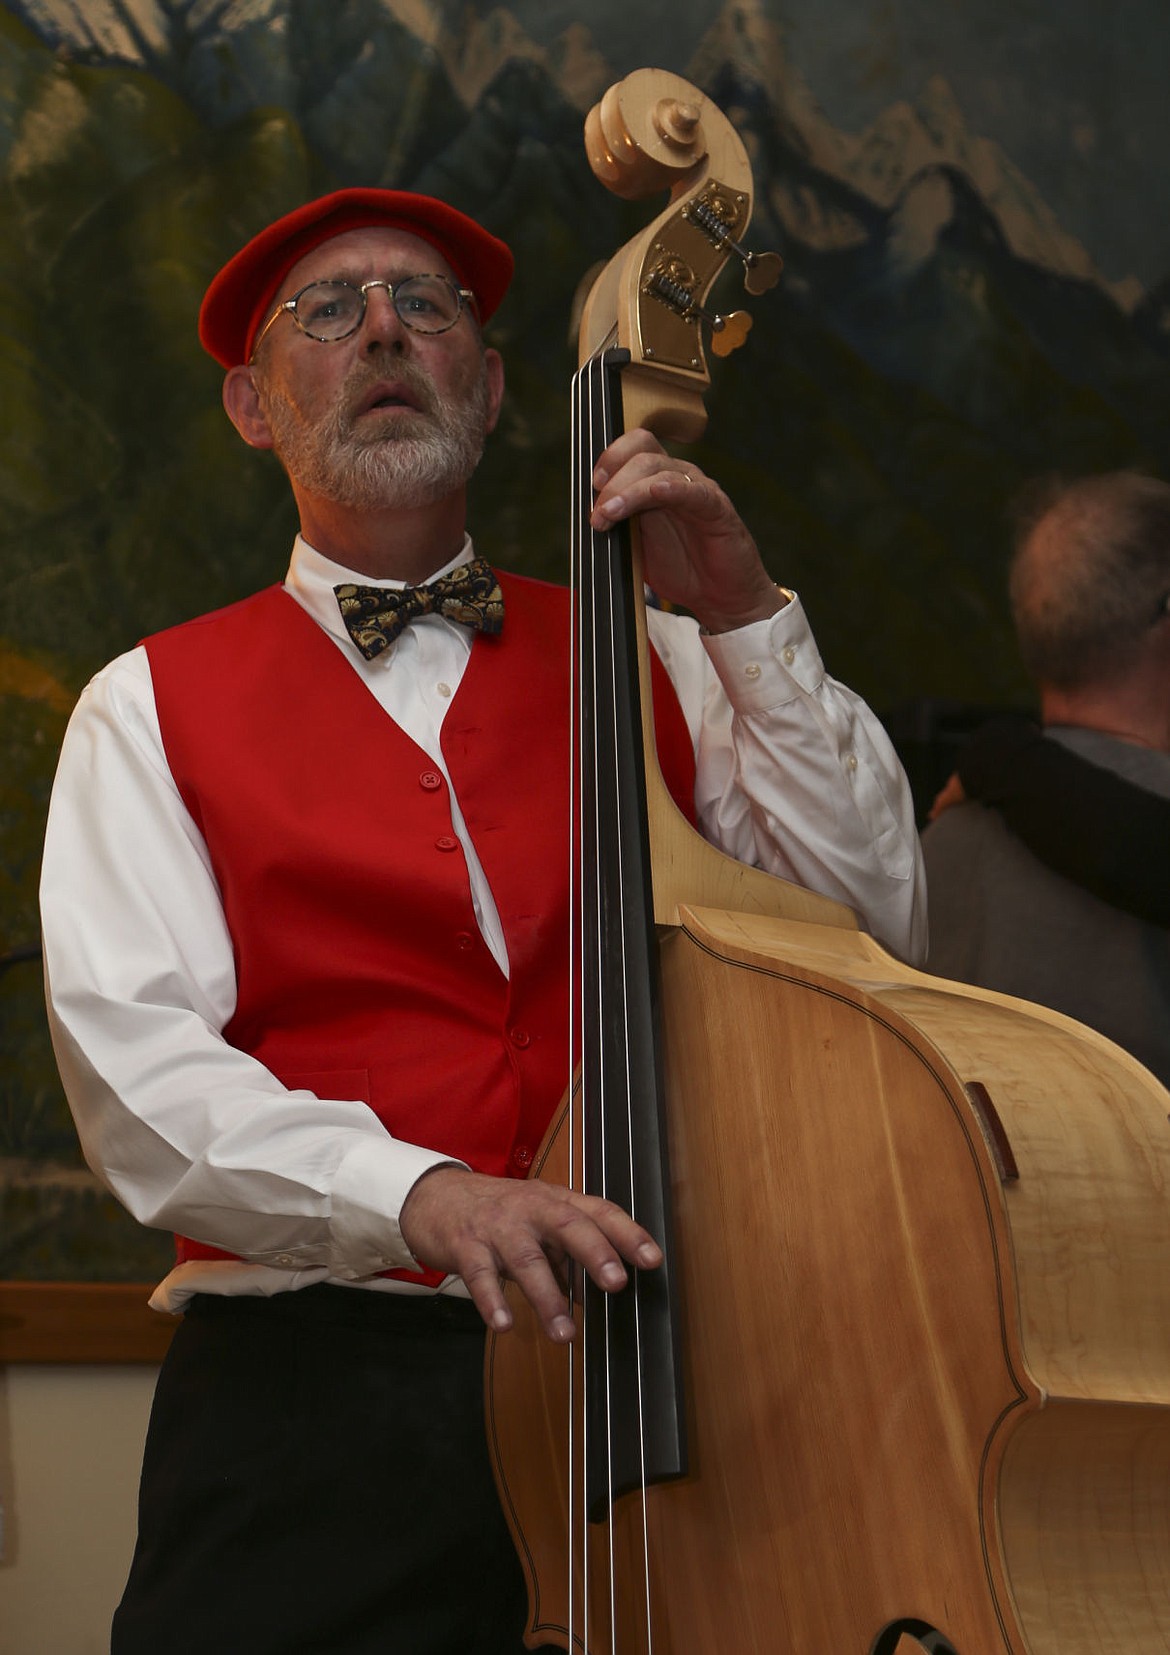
(316, 1482)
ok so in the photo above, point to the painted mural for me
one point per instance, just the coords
(975, 290)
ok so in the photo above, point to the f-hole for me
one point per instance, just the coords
(905, 1636)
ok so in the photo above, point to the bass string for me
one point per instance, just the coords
(605, 746)
(609, 423)
(574, 862)
(577, 1445)
(590, 553)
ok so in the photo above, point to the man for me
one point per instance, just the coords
(306, 915)
(1049, 883)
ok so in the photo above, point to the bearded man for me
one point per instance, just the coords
(306, 926)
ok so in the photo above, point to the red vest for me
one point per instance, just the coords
(361, 970)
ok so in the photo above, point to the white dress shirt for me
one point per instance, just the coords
(794, 774)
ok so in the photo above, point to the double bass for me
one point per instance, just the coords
(903, 1383)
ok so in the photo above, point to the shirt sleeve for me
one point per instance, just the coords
(188, 1132)
(795, 774)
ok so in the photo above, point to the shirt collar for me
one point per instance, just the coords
(312, 576)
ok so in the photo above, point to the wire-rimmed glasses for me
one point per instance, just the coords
(331, 310)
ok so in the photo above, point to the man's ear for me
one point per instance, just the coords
(242, 402)
(494, 363)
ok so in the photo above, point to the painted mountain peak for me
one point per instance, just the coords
(222, 53)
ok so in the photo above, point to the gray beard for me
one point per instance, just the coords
(379, 469)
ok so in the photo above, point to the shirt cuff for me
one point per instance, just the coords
(767, 663)
(368, 1190)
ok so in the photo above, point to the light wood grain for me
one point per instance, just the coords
(1083, 1504)
(912, 1391)
(844, 1399)
(1083, 1507)
(1090, 1214)
(627, 150)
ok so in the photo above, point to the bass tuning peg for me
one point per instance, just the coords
(761, 271)
(729, 332)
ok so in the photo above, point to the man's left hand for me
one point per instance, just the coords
(696, 549)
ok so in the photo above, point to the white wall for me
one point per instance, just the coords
(70, 1450)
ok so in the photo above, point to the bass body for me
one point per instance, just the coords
(913, 1335)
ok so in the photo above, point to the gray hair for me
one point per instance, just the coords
(1090, 574)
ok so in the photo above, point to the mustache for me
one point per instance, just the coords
(365, 374)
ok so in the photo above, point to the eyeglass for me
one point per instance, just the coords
(331, 310)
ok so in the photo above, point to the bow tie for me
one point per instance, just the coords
(375, 615)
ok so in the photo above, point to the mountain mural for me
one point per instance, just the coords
(937, 338)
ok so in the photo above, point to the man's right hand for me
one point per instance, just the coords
(491, 1230)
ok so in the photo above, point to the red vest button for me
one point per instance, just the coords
(431, 780)
(522, 1157)
(519, 1037)
(446, 841)
(464, 939)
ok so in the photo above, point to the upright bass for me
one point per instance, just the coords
(904, 1381)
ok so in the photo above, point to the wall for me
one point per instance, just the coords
(70, 1448)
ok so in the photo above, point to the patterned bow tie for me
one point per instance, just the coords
(375, 615)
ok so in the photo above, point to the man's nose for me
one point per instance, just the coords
(382, 324)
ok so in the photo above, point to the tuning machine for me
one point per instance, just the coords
(715, 214)
(673, 284)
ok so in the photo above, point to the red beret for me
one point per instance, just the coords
(241, 295)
